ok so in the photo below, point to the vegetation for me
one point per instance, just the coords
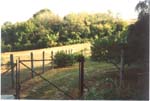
(108, 35)
(62, 59)
(138, 37)
(134, 39)
(101, 82)
(45, 29)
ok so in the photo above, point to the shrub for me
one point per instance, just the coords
(62, 59)
(78, 56)
(105, 49)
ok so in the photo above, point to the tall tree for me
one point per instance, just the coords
(138, 37)
(142, 8)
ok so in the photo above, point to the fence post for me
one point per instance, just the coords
(52, 57)
(12, 69)
(17, 79)
(43, 62)
(32, 67)
(66, 51)
(19, 86)
(121, 67)
(81, 76)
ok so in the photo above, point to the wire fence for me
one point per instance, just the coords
(24, 70)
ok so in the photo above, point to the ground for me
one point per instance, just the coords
(101, 82)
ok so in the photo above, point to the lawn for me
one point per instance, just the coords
(101, 82)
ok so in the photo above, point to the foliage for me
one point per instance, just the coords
(108, 48)
(46, 29)
(62, 59)
(142, 8)
(138, 37)
(138, 40)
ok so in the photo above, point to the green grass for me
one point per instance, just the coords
(101, 82)
(67, 79)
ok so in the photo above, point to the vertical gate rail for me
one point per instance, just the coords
(81, 76)
(43, 55)
(18, 79)
(52, 58)
(32, 67)
(12, 65)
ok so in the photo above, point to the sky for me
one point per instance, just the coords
(22, 10)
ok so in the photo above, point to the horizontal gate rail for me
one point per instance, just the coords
(6, 71)
(35, 60)
(46, 80)
(9, 69)
(5, 64)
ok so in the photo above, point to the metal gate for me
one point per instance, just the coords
(34, 73)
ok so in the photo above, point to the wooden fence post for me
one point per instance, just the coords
(52, 58)
(66, 51)
(19, 86)
(43, 62)
(12, 69)
(121, 67)
(18, 79)
(32, 66)
(81, 76)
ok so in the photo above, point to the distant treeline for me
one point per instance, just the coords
(46, 29)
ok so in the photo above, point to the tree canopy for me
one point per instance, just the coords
(138, 37)
(46, 29)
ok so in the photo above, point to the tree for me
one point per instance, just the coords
(46, 29)
(142, 8)
(108, 48)
(138, 37)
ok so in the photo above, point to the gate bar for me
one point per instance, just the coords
(81, 76)
(35, 60)
(12, 70)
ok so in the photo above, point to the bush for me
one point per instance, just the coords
(62, 59)
(78, 56)
(105, 50)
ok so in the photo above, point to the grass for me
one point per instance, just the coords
(66, 79)
(101, 81)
